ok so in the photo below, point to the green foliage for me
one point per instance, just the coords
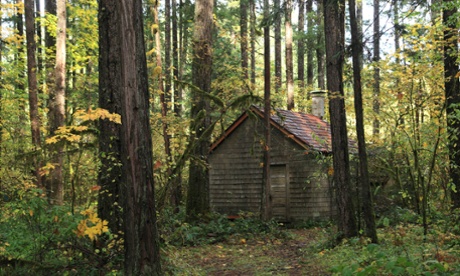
(215, 228)
(404, 250)
(37, 238)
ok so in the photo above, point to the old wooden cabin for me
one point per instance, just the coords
(299, 172)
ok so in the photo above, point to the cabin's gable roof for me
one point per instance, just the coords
(307, 130)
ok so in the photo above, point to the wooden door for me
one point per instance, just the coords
(278, 192)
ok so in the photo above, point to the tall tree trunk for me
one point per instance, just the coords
(334, 25)
(176, 179)
(110, 173)
(167, 51)
(310, 43)
(366, 196)
(244, 37)
(320, 55)
(277, 19)
(32, 81)
(289, 58)
(252, 4)
(452, 92)
(57, 108)
(301, 47)
(397, 37)
(38, 30)
(20, 63)
(376, 59)
(142, 255)
(198, 191)
(20, 56)
(164, 104)
(266, 199)
(175, 59)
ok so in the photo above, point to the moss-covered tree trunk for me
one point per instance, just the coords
(198, 191)
(110, 173)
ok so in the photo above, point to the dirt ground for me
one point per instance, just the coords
(258, 256)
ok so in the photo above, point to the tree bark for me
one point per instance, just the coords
(57, 108)
(334, 17)
(167, 53)
(277, 22)
(366, 196)
(252, 15)
(176, 180)
(301, 47)
(320, 44)
(244, 37)
(110, 173)
(142, 255)
(376, 59)
(452, 92)
(198, 191)
(266, 200)
(289, 58)
(310, 43)
(32, 81)
(175, 59)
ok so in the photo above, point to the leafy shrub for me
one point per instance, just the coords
(214, 228)
(36, 238)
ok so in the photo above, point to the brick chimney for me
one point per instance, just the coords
(317, 99)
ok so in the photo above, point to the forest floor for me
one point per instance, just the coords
(291, 254)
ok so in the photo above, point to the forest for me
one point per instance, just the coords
(110, 110)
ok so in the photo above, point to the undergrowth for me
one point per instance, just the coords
(213, 228)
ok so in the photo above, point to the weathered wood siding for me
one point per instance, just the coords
(236, 176)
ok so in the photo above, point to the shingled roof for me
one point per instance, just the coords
(307, 130)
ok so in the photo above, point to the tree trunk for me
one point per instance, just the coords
(38, 30)
(334, 17)
(32, 81)
(266, 200)
(301, 47)
(310, 43)
(57, 108)
(397, 37)
(175, 59)
(366, 196)
(167, 51)
(110, 173)
(142, 255)
(176, 179)
(376, 59)
(320, 44)
(289, 58)
(244, 37)
(277, 22)
(452, 92)
(252, 4)
(198, 192)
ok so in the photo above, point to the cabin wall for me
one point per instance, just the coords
(236, 176)
(236, 172)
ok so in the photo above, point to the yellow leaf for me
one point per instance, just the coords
(157, 71)
(31, 212)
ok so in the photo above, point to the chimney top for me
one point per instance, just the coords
(318, 99)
